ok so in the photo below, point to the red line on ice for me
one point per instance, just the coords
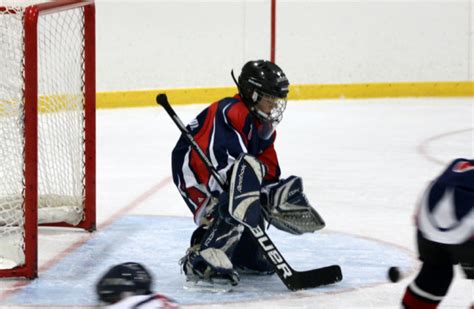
(422, 147)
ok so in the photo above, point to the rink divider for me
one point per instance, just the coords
(180, 96)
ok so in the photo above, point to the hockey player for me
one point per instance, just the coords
(237, 134)
(128, 285)
(445, 235)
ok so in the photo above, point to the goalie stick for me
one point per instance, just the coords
(293, 280)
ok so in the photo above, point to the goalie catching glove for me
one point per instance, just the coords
(283, 204)
(286, 207)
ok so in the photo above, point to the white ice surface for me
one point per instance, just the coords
(364, 164)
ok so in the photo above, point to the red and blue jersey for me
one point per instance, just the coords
(223, 131)
(446, 212)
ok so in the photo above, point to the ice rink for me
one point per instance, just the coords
(364, 164)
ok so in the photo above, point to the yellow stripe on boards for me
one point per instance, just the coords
(382, 90)
(144, 98)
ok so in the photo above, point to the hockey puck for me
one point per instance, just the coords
(394, 274)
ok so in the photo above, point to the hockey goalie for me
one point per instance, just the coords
(237, 134)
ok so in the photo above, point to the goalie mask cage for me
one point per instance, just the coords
(47, 125)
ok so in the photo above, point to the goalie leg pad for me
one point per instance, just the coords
(223, 236)
(211, 265)
(288, 209)
(207, 260)
(249, 257)
(244, 190)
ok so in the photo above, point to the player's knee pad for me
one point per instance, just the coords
(244, 190)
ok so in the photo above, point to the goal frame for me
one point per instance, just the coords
(30, 95)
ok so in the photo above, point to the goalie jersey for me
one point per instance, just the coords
(223, 130)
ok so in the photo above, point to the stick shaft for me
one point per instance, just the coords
(163, 101)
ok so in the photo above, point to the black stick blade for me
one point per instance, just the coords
(314, 278)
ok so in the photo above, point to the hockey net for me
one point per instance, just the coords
(47, 125)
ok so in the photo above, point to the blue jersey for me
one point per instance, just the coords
(446, 211)
(223, 131)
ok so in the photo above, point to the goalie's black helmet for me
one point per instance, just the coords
(260, 78)
(265, 77)
(123, 280)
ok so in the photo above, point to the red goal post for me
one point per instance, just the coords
(47, 126)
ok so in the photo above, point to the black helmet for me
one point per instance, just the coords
(127, 278)
(263, 78)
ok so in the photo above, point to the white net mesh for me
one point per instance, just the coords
(60, 124)
(20, 3)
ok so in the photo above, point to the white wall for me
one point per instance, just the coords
(194, 43)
